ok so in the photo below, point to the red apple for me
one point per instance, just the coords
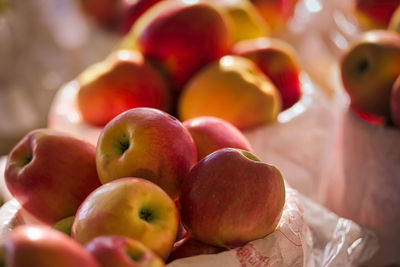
(44, 247)
(189, 246)
(395, 103)
(50, 173)
(183, 36)
(278, 60)
(131, 207)
(230, 198)
(375, 13)
(212, 133)
(123, 81)
(146, 143)
(122, 251)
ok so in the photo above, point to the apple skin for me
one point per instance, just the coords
(42, 246)
(375, 13)
(131, 207)
(230, 198)
(212, 133)
(122, 251)
(278, 60)
(183, 36)
(188, 247)
(146, 143)
(123, 81)
(368, 70)
(395, 103)
(50, 173)
(233, 89)
(394, 24)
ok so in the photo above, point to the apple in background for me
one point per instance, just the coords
(368, 70)
(394, 24)
(212, 133)
(146, 143)
(44, 247)
(375, 13)
(276, 12)
(244, 21)
(50, 173)
(189, 246)
(122, 251)
(395, 102)
(183, 36)
(64, 225)
(131, 207)
(123, 81)
(233, 89)
(278, 60)
(230, 198)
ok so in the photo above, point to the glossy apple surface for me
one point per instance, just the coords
(395, 103)
(230, 198)
(122, 251)
(277, 59)
(146, 143)
(50, 173)
(183, 36)
(44, 247)
(131, 207)
(368, 70)
(123, 81)
(233, 89)
(212, 133)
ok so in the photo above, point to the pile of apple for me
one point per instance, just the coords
(152, 190)
(195, 58)
(370, 68)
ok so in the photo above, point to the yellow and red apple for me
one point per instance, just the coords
(230, 198)
(50, 173)
(212, 133)
(42, 246)
(146, 143)
(278, 60)
(123, 81)
(131, 207)
(233, 89)
(375, 13)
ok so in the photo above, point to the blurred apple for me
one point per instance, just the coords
(394, 23)
(277, 59)
(123, 81)
(395, 102)
(131, 207)
(44, 247)
(212, 133)
(146, 143)
(230, 198)
(122, 251)
(233, 89)
(183, 36)
(368, 70)
(64, 225)
(375, 13)
(50, 173)
(189, 246)
(276, 12)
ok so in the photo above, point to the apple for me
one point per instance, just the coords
(278, 60)
(42, 246)
(188, 247)
(64, 225)
(123, 81)
(394, 23)
(50, 173)
(183, 36)
(276, 13)
(368, 70)
(122, 251)
(132, 207)
(230, 198)
(375, 13)
(146, 143)
(233, 89)
(212, 133)
(395, 102)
